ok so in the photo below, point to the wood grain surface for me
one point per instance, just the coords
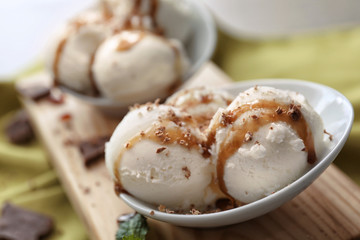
(328, 209)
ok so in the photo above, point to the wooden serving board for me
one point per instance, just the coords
(328, 209)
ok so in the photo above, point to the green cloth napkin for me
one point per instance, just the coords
(27, 179)
(330, 58)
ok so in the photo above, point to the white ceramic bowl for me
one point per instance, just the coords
(199, 47)
(337, 114)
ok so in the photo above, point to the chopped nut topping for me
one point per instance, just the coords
(271, 128)
(160, 131)
(206, 98)
(159, 150)
(194, 211)
(161, 208)
(152, 213)
(330, 135)
(248, 136)
(187, 172)
(279, 111)
(255, 117)
(226, 119)
(166, 139)
(127, 145)
(294, 112)
(142, 133)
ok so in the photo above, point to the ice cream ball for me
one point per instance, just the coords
(71, 48)
(266, 139)
(136, 66)
(156, 155)
(174, 17)
(200, 102)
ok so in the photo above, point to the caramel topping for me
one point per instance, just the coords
(269, 114)
(126, 44)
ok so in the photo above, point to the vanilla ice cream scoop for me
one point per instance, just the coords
(201, 102)
(70, 53)
(263, 141)
(156, 155)
(138, 66)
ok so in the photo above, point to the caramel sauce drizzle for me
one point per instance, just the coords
(126, 44)
(273, 112)
(163, 135)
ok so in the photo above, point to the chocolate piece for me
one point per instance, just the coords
(21, 224)
(19, 130)
(93, 149)
(35, 92)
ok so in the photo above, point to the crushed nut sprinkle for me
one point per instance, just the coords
(166, 139)
(152, 213)
(226, 119)
(279, 111)
(159, 132)
(206, 98)
(142, 133)
(149, 108)
(66, 117)
(159, 150)
(186, 172)
(330, 135)
(194, 211)
(255, 117)
(248, 136)
(127, 145)
(294, 112)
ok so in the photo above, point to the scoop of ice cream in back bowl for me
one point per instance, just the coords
(118, 53)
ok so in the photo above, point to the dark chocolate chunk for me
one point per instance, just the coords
(35, 92)
(19, 130)
(93, 149)
(20, 224)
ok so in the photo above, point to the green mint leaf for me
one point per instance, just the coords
(135, 228)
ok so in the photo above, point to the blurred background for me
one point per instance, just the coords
(316, 41)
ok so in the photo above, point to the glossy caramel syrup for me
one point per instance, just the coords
(126, 44)
(271, 112)
(163, 134)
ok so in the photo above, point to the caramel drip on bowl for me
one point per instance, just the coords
(272, 112)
